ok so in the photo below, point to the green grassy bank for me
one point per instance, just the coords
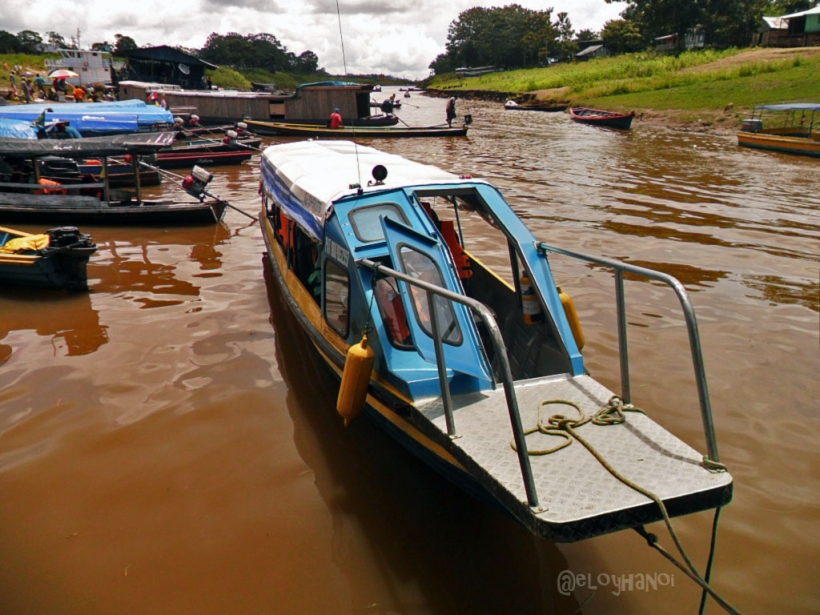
(685, 86)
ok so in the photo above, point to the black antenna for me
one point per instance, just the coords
(353, 126)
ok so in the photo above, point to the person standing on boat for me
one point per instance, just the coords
(451, 111)
(336, 119)
(62, 130)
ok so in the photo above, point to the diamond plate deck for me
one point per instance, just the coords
(572, 486)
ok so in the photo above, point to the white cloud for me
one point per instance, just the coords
(397, 37)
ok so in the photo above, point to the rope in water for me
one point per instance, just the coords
(613, 414)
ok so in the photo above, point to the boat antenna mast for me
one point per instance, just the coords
(344, 63)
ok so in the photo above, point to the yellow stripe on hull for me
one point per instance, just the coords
(399, 422)
(779, 143)
(312, 311)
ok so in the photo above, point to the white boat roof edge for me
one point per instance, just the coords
(319, 173)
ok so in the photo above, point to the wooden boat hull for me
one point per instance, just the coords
(176, 160)
(802, 146)
(283, 129)
(213, 153)
(597, 117)
(56, 267)
(78, 209)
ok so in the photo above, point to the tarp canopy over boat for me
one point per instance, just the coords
(307, 177)
(100, 118)
(16, 129)
(791, 107)
(140, 143)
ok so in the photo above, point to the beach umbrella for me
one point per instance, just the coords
(62, 73)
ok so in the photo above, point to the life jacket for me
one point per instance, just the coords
(47, 182)
(462, 261)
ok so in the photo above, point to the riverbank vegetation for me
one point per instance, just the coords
(694, 81)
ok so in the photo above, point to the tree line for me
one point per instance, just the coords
(515, 37)
(252, 51)
(724, 23)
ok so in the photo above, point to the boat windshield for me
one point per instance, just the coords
(422, 267)
(366, 220)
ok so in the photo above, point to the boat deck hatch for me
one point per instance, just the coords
(578, 497)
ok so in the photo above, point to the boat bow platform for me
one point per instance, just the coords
(578, 497)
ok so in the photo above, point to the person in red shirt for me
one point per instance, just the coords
(336, 119)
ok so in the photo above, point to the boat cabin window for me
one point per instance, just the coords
(392, 310)
(367, 224)
(337, 294)
(422, 267)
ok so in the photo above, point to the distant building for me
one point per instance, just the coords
(478, 70)
(694, 38)
(769, 32)
(167, 65)
(795, 30)
(593, 51)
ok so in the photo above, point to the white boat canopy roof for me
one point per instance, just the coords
(791, 107)
(318, 173)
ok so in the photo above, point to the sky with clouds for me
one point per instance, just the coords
(396, 37)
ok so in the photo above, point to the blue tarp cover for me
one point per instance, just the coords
(94, 118)
(16, 129)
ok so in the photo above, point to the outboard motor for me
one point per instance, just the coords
(241, 127)
(196, 183)
(60, 168)
(230, 139)
(68, 237)
(468, 119)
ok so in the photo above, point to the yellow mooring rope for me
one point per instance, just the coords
(613, 414)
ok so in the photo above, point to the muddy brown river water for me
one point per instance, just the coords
(169, 444)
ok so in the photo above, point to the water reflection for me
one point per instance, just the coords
(146, 264)
(68, 319)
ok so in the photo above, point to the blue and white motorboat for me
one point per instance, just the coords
(476, 370)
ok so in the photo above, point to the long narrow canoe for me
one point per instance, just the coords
(805, 146)
(599, 117)
(284, 129)
(793, 129)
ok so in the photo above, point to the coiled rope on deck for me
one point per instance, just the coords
(613, 414)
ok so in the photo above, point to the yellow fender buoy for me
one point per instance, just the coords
(355, 380)
(572, 317)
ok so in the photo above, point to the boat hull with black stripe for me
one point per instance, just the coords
(285, 129)
(462, 356)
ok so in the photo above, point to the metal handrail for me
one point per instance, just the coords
(691, 326)
(500, 352)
